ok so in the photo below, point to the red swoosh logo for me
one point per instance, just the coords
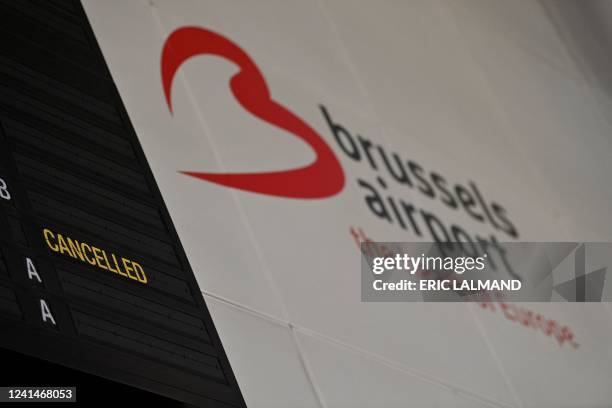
(322, 178)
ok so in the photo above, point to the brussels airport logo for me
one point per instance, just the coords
(325, 177)
(322, 178)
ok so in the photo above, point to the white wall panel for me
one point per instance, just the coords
(482, 91)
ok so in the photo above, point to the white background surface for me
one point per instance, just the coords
(482, 90)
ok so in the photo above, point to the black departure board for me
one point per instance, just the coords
(92, 273)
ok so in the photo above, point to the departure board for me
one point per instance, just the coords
(92, 273)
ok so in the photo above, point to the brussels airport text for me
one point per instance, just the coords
(411, 175)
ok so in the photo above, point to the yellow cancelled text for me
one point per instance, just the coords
(94, 256)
